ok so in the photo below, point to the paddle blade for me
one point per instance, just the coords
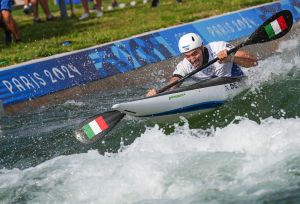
(97, 127)
(275, 27)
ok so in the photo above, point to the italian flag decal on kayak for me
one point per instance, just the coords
(95, 127)
(276, 27)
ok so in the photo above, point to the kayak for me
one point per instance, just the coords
(199, 97)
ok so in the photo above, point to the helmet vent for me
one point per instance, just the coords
(193, 38)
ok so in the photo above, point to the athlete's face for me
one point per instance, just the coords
(195, 57)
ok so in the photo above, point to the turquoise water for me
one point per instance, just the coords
(247, 151)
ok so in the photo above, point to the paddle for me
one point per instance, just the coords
(98, 126)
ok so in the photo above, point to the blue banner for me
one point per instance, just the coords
(131, 54)
(41, 78)
(31, 80)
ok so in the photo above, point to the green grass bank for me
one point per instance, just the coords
(45, 39)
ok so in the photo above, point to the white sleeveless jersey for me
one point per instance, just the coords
(215, 70)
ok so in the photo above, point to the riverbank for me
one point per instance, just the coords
(46, 39)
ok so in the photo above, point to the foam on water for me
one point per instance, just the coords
(74, 103)
(286, 59)
(245, 159)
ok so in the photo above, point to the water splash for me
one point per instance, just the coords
(248, 160)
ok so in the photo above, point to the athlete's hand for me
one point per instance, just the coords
(224, 57)
(152, 92)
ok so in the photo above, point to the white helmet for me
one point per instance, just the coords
(189, 42)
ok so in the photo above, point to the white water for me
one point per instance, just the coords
(73, 103)
(244, 162)
(244, 159)
(283, 61)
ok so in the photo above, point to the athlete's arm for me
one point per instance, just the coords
(175, 78)
(153, 92)
(245, 59)
(242, 58)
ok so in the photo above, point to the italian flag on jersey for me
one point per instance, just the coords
(276, 27)
(95, 127)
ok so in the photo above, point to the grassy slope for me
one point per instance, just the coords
(45, 39)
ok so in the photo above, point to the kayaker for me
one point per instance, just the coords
(196, 55)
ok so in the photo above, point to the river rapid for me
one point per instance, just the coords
(247, 151)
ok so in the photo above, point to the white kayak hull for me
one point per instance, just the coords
(200, 97)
